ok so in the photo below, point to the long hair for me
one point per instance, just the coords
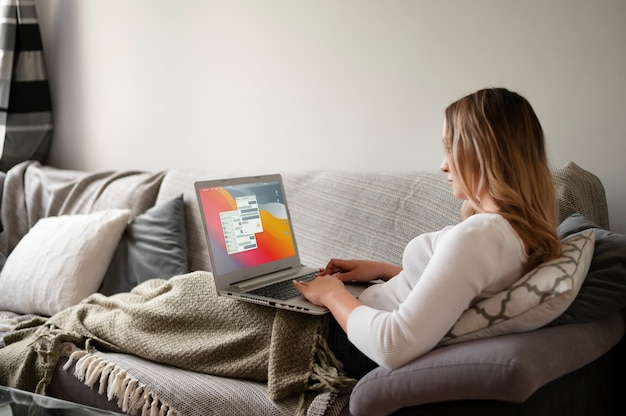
(497, 144)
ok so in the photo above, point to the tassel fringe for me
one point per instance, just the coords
(133, 397)
(326, 374)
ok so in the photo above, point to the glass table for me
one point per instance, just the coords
(15, 402)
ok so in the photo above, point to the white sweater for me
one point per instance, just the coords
(443, 273)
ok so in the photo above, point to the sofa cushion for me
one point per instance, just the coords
(60, 261)
(508, 368)
(154, 245)
(534, 300)
(604, 290)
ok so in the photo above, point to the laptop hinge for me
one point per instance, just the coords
(261, 281)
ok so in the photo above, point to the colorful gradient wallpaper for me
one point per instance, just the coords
(247, 225)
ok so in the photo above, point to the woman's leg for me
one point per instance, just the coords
(355, 363)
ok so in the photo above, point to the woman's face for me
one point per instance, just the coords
(447, 167)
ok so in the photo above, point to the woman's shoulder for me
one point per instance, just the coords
(477, 230)
(482, 235)
(484, 220)
(482, 226)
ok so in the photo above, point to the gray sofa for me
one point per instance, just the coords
(570, 365)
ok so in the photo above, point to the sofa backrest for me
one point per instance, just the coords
(347, 214)
(372, 215)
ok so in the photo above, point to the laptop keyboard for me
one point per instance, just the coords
(283, 290)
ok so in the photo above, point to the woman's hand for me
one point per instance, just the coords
(359, 270)
(327, 290)
(318, 289)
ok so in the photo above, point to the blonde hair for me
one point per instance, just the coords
(496, 144)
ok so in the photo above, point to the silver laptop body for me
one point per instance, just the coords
(251, 242)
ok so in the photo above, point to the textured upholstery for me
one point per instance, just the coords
(339, 214)
(370, 215)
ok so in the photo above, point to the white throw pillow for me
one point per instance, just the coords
(536, 299)
(60, 261)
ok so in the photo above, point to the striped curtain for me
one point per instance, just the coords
(25, 104)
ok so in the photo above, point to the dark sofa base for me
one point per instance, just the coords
(67, 387)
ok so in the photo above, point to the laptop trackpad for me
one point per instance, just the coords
(357, 288)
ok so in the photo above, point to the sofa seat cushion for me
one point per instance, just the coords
(507, 368)
(189, 392)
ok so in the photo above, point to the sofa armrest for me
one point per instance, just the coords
(508, 368)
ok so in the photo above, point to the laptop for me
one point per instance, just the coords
(252, 246)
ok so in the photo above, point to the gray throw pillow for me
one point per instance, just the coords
(154, 245)
(603, 291)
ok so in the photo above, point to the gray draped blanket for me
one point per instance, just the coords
(180, 322)
(33, 191)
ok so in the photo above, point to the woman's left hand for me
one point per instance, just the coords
(317, 290)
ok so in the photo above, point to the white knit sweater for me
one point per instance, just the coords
(443, 273)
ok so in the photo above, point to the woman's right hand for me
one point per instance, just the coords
(360, 270)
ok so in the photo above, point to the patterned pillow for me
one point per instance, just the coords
(534, 300)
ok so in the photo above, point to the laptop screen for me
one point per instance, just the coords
(247, 224)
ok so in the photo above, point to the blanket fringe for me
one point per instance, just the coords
(326, 375)
(133, 397)
(327, 372)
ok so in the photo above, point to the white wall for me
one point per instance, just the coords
(352, 84)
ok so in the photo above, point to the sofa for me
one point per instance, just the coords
(555, 349)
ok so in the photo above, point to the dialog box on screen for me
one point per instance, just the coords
(240, 226)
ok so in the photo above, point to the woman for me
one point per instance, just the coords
(495, 161)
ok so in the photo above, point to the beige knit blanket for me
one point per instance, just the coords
(179, 322)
